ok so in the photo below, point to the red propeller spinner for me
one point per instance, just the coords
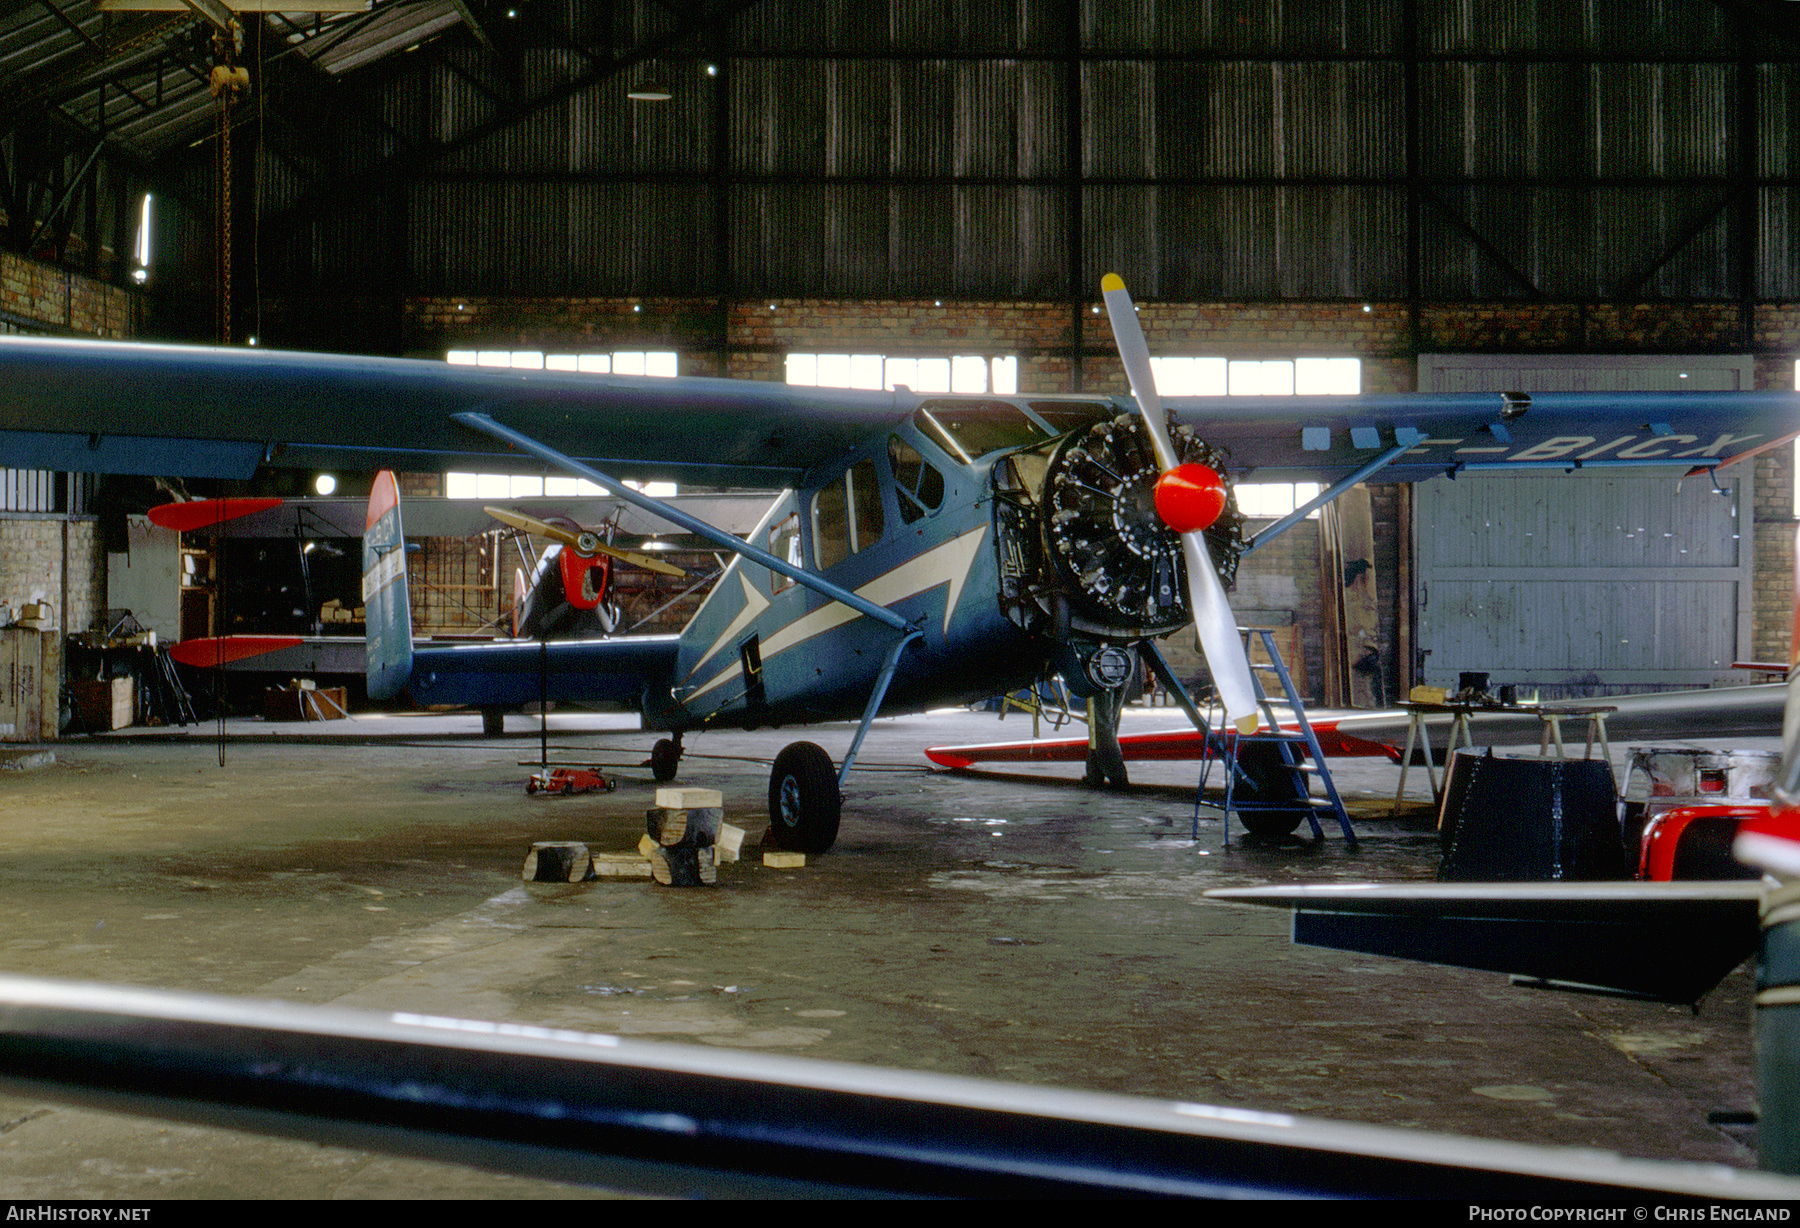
(1190, 497)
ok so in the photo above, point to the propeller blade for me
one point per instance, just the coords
(1214, 623)
(582, 543)
(1134, 352)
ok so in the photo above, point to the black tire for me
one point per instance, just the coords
(804, 802)
(665, 757)
(1268, 779)
(493, 722)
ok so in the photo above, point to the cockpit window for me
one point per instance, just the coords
(917, 482)
(968, 429)
(847, 515)
(1066, 416)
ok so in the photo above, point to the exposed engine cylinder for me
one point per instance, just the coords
(1101, 546)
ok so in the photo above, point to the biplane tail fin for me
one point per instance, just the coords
(387, 606)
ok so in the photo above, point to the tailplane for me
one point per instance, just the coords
(387, 605)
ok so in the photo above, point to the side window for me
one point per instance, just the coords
(784, 543)
(847, 515)
(869, 522)
(831, 525)
(918, 484)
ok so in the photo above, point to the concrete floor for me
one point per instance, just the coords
(1028, 930)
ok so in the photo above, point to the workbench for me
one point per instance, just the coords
(1462, 714)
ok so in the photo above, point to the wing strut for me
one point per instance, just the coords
(1408, 439)
(478, 421)
(876, 695)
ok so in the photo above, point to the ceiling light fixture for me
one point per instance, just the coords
(648, 91)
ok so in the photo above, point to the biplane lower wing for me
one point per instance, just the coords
(1671, 942)
(1176, 744)
(1746, 711)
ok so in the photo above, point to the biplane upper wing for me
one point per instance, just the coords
(129, 407)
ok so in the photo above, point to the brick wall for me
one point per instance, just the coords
(60, 301)
(31, 567)
(37, 553)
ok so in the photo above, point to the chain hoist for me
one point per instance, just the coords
(228, 81)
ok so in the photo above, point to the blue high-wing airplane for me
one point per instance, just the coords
(929, 549)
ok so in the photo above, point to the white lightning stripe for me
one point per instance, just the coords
(754, 604)
(948, 563)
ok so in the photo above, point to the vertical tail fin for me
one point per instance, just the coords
(387, 607)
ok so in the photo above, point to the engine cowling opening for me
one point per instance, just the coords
(1079, 523)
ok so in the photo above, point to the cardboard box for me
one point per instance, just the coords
(326, 703)
(110, 704)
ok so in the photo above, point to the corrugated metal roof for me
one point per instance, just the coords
(1221, 150)
(141, 78)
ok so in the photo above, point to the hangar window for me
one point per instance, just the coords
(847, 515)
(968, 373)
(661, 363)
(537, 486)
(1217, 377)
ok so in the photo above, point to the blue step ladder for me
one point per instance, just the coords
(1290, 753)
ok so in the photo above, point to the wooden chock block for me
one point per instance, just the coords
(781, 859)
(688, 799)
(684, 867)
(557, 861)
(729, 843)
(620, 865)
(696, 827)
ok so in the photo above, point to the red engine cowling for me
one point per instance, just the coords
(1685, 843)
(576, 571)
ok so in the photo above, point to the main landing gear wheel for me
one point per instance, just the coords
(665, 757)
(804, 802)
(1269, 779)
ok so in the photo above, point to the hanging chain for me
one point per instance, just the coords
(227, 81)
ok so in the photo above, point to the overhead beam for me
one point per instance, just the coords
(236, 6)
(403, 166)
(68, 76)
(222, 18)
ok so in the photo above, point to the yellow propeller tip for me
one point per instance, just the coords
(1247, 724)
(1111, 282)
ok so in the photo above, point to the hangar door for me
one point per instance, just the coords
(1594, 583)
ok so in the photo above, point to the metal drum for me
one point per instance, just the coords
(1517, 820)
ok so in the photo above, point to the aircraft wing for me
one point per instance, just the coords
(129, 407)
(437, 517)
(1671, 942)
(681, 1121)
(488, 673)
(1324, 438)
(1175, 744)
(505, 674)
